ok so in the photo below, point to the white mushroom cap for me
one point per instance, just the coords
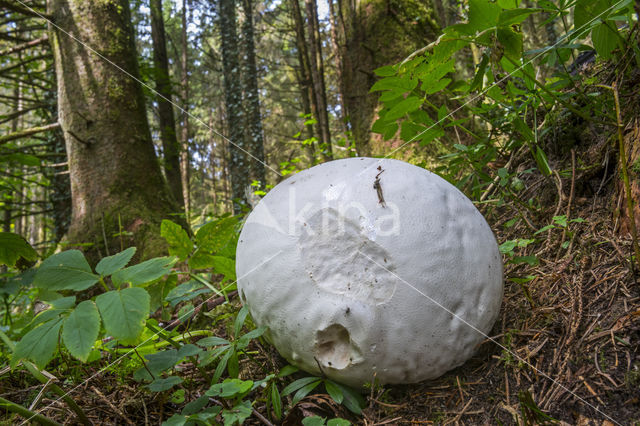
(405, 288)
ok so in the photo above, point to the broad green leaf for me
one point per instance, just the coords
(511, 41)
(334, 391)
(39, 344)
(26, 159)
(586, 12)
(67, 270)
(195, 405)
(230, 388)
(385, 71)
(509, 4)
(483, 14)
(188, 350)
(225, 266)
(353, 400)
(163, 384)
(162, 360)
(185, 291)
(244, 340)
(287, 370)
(111, 264)
(239, 321)
(238, 414)
(437, 87)
(180, 244)
(514, 16)
(215, 235)
(212, 341)
(144, 272)
(13, 247)
(276, 401)
(80, 329)
(294, 386)
(395, 83)
(605, 39)
(338, 422)
(478, 80)
(411, 103)
(124, 312)
(201, 259)
(175, 420)
(543, 163)
(304, 391)
(313, 421)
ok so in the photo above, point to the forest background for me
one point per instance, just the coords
(157, 125)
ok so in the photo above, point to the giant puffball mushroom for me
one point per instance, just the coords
(363, 268)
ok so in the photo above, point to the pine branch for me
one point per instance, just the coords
(15, 7)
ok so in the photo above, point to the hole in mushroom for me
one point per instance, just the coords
(333, 347)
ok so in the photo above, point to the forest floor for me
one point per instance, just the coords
(565, 346)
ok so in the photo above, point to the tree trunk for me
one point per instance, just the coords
(184, 128)
(238, 159)
(117, 188)
(317, 75)
(170, 146)
(309, 104)
(254, 138)
(373, 34)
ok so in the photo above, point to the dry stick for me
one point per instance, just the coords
(113, 407)
(625, 173)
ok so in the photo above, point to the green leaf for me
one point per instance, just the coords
(338, 422)
(586, 12)
(514, 16)
(511, 41)
(230, 388)
(246, 338)
(159, 385)
(287, 370)
(144, 272)
(215, 235)
(334, 391)
(482, 15)
(80, 330)
(38, 345)
(276, 401)
(304, 391)
(188, 350)
(543, 163)
(386, 71)
(478, 79)
(180, 244)
(175, 420)
(605, 39)
(162, 361)
(201, 259)
(195, 405)
(294, 386)
(185, 291)
(396, 83)
(225, 266)
(508, 4)
(353, 400)
(212, 341)
(313, 421)
(67, 270)
(437, 87)
(13, 247)
(239, 322)
(238, 414)
(111, 264)
(124, 312)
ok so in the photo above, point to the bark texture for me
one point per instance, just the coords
(170, 146)
(254, 138)
(238, 159)
(118, 192)
(184, 128)
(373, 33)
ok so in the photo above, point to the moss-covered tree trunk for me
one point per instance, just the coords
(238, 158)
(118, 193)
(170, 146)
(373, 33)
